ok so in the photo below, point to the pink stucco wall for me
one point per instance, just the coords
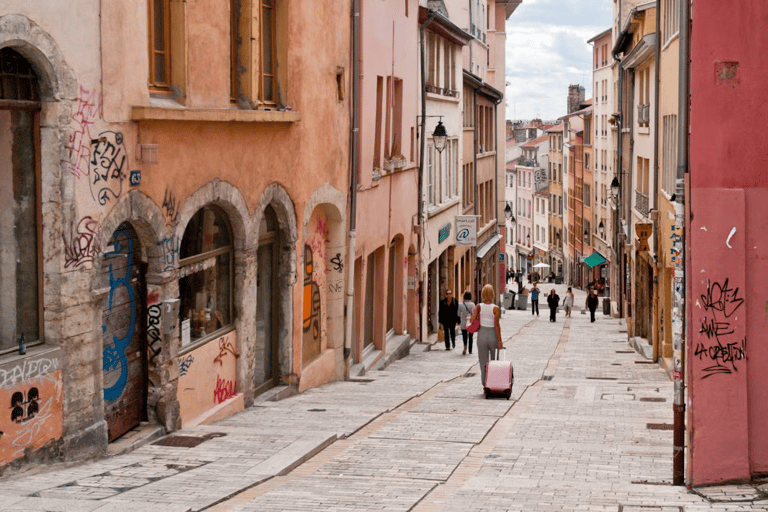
(207, 377)
(728, 417)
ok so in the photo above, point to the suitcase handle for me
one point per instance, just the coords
(503, 354)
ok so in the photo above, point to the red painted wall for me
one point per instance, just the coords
(728, 280)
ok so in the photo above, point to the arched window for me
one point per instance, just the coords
(20, 265)
(206, 275)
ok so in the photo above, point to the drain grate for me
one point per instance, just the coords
(470, 374)
(315, 410)
(187, 441)
(652, 399)
(650, 508)
(644, 362)
(180, 441)
(602, 378)
(547, 377)
(659, 426)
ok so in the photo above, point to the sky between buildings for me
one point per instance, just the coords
(547, 50)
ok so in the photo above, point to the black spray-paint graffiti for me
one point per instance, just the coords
(170, 206)
(338, 264)
(720, 303)
(25, 408)
(154, 340)
(83, 244)
(106, 167)
(225, 347)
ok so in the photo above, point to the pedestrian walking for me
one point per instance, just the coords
(591, 304)
(568, 302)
(466, 307)
(553, 301)
(448, 316)
(489, 335)
(535, 300)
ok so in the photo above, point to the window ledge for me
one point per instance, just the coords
(441, 97)
(214, 115)
(11, 361)
(440, 208)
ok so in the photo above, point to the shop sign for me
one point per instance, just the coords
(444, 233)
(466, 230)
(644, 232)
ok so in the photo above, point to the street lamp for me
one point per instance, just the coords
(601, 229)
(439, 137)
(615, 187)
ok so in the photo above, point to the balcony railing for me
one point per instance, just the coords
(641, 203)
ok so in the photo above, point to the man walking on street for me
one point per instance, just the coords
(591, 304)
(448, 316)
(535, 300)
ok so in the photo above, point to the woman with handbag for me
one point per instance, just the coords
(465, 310)
(489, 333)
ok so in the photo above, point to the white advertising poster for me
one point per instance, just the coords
(466, 230)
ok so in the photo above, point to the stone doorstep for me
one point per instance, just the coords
(135, 438)
(398, 347)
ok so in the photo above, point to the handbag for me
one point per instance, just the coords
(474, 326)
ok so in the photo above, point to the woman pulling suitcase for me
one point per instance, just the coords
(489, 334)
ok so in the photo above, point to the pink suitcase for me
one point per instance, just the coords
(499, 376)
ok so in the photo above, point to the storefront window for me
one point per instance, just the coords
(205, 275)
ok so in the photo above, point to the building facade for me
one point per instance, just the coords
(185, 192)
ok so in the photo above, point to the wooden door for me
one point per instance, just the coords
(124, 356)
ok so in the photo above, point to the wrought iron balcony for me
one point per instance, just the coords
(641, 203)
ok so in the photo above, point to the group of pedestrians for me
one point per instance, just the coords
(453, 312)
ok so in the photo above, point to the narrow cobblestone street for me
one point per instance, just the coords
(588, 428)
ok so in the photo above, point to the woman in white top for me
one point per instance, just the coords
(466, 307)
(489, 334)
(568, 302)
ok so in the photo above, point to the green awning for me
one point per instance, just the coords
(594, 259)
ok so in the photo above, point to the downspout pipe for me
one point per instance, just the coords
(503, 284)
(354, 148)
(678, 460)
(422, 145)
(656, 101)
(616, 173)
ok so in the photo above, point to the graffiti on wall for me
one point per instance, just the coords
(311, 318)
(722, 352)
(154, 339)
(82, 245)
(32, 393)
(79, 144)
(185, 363)
(113, 356)
(224, 390)
(225, 347)
(27, 370)
(107, 167)
(170, 250)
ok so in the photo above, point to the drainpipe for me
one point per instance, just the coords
(503, 284)
(656, 256)
(618, 247)
(678, 461)
(478, 285)
(353, 166)
(422, 144)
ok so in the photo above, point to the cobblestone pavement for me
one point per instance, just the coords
(587, 429)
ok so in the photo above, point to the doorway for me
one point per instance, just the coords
(124, 337)
(267, 371)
